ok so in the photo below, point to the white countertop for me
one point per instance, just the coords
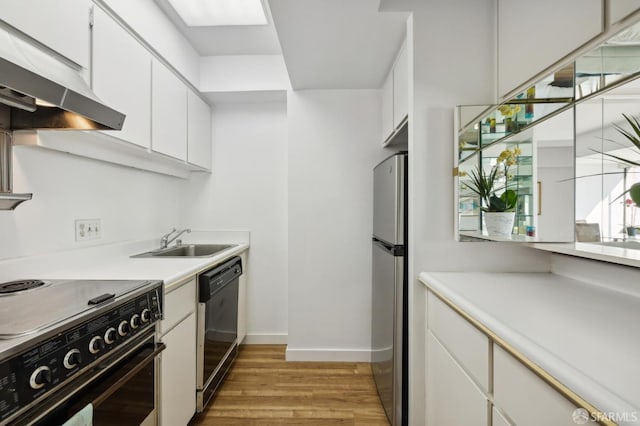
(113, 261)
(587, 337)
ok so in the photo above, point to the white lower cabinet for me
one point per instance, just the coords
(178, 374)
(178, 360)
(498, 419)
(524, 397)
(453, 399)
(464, 382)
(468, 345)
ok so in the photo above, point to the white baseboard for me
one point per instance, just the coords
(335, 355)
(265, 339)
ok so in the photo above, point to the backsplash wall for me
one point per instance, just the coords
(131, 204)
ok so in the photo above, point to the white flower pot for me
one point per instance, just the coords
(499, 223)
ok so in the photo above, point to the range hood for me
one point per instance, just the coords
(47, 92)
(39, 90)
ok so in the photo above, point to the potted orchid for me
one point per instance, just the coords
(497, 200)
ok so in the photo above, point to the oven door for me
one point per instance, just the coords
(121, 391)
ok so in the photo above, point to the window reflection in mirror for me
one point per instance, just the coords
(615, 60)
(604, 213)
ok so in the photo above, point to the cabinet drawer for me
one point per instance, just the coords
(524, 397)
(498, 419)
(468, 345)
(453, 398)
(178, 304)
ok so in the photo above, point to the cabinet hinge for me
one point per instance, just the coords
(455, 171)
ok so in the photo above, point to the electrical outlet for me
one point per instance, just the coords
(88, 229)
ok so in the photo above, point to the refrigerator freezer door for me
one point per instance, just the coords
(388, 199)
(386, 339)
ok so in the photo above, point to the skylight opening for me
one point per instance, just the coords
(205, 13)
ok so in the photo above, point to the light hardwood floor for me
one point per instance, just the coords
(263, 389)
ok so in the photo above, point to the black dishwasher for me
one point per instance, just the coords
(217, 326)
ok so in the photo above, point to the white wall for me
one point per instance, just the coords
(243, 73)
(334, 142)
(248, 190)
(147, 19)
(447, 68)
(131, 204)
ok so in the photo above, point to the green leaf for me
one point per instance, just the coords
(634, 193)
(510, 198)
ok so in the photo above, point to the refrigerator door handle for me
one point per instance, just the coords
(394, 250)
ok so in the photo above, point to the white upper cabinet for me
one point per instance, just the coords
(620, 9)
(395, 96)
(168, 113)
(532, 35)
(198, 132)
(62, 25)
(401, 88)
(387, 107)
(121, 69)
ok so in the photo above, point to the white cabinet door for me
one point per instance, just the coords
(168, 113)
(532, 35)
(62, 25)
(452, 398)
(524, 397)
(498, 419)
(401, 88)
(387, 107)
(121, 69)
(198, 132)
(620, 9)
(178, 374)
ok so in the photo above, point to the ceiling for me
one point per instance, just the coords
(326, 44)
(337, 44)
(227, 40)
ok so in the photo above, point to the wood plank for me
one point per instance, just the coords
(263, 389)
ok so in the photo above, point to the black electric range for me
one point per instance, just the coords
(52, 331)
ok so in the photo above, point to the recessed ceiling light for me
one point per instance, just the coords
(204, 13)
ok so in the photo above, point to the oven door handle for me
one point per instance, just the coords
(131, 372)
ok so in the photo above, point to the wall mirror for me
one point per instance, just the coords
(573, 162)
(606, 160)
(536, 163)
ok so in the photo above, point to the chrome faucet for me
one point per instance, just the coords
(165, 240)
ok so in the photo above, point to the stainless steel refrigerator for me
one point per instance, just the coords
(389, 328)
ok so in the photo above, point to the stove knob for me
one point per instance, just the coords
(135, 321)
(72, 359)
(123, 328)
(110, 335)
(40, 377)
(145, 315)
(96, 345)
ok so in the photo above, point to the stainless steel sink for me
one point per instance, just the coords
(187, 250)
